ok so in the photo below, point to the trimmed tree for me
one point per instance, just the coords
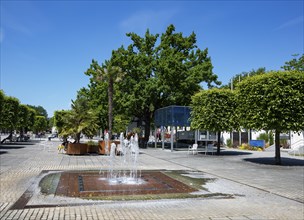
(273, 101)
(40, 124)
(23, 118)
(214, 110)
(1, 102)
(9, 115)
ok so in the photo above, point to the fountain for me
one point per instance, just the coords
(118, 179)
(128, 151)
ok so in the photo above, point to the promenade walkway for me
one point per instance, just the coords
(260, 190)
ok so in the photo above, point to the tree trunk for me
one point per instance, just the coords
(8, 138)
(110, 103)
(218, 143)
(77, 138)
(277, 148)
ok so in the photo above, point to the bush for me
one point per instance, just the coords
(229, 143)
(92, 143)
(267, 137)
(245, 146)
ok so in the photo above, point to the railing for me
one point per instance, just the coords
(296, 144)
(297, 148)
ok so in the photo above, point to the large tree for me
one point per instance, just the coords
(214, 110)
(295, 64)
(109, 74)
(241, 76)
(161, 72)
(9, 114)
(273, 101)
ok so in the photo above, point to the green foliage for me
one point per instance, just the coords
(1, 101)
(244, 75)
(263, 136)
(51, 122)
(273, 101)
(9, 114)
(214, 110)
(295, 64)
(14, 115)
(39, 110)
(23, 117)
(267, 137)
(80, 119)
(40, 123)
(158, 73)
(121, 122)
(102, 86)
(31, 119)
(136, 130)
(92, 143)
(229, 142)
(59, 118)
(248, 147)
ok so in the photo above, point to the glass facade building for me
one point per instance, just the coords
(172, 116)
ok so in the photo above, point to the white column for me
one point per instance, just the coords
(155, 138)
(172, 130)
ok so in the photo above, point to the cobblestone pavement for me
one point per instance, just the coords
(260, 190)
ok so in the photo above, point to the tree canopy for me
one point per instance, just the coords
(295, 64)
(15, 116)
(159, 72)
(9, 114)
(214, 110)
(273, 101)
(108, 74)
(40, 123)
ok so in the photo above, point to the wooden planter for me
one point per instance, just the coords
(77, 149)
(102, 144)
(93, 149)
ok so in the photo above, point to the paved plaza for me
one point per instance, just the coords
(258, 189)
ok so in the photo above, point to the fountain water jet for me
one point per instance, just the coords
(128, 157)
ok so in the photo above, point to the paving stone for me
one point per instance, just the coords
(260, 191)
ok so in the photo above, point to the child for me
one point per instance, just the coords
(60, 148)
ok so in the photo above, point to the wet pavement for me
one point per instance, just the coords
(259, 189)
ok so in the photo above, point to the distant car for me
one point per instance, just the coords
(52, 136)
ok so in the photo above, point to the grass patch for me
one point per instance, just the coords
(184, 177)
(49, 183)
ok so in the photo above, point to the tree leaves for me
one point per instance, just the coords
(214, 110)
(273, 101)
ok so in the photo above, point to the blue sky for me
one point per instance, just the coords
(46, 46)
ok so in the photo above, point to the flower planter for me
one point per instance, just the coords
(77, 149)
(102, 149)
(92, 149)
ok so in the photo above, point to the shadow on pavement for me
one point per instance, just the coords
(10, 146)
(17, 143)
(233, 153)
(227, 153)
(271, 161)
(3, 152)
